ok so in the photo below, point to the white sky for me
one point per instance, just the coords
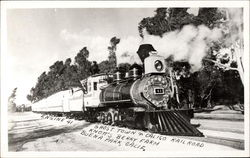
(38, 37)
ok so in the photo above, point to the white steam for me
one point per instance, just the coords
(190, 43)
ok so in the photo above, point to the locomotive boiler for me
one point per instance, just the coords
(144, 98)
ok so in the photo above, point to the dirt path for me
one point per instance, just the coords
(31, 132)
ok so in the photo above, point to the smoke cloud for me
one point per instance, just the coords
(190, 43)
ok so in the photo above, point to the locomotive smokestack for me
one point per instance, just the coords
(144, 50)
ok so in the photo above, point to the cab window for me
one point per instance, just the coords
(95, 86)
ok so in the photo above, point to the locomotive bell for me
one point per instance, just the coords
(126, 75)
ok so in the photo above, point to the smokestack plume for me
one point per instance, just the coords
(190, 43)
(144, 50)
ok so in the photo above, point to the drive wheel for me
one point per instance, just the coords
(109, 119)
(102, 115)
(116, 118)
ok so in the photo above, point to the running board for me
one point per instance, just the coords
(171, 123)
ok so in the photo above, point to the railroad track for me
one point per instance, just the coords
(234, 143)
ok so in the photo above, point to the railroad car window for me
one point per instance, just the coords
(95, 86)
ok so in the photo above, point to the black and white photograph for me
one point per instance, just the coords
(125, 78)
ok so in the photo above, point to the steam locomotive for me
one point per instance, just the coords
(144, 98)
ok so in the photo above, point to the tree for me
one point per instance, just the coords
(70, 75)
(67, 62)
(11, 101)
(112, 53)
(171, 19)
(29, 97)
(156, 25)
(229, 56)
(57, 70)
(94, 68)
(74, 81)
(110, 65)
(41, 86)
(206, 80)
(104, 66)
(83, 65)
(210, 17)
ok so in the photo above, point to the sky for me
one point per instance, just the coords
(36, 38)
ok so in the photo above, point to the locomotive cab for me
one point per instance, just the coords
(92, 89)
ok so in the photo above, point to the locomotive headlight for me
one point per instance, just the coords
(158, 65)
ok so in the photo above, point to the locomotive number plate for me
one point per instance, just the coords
(158, 91)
